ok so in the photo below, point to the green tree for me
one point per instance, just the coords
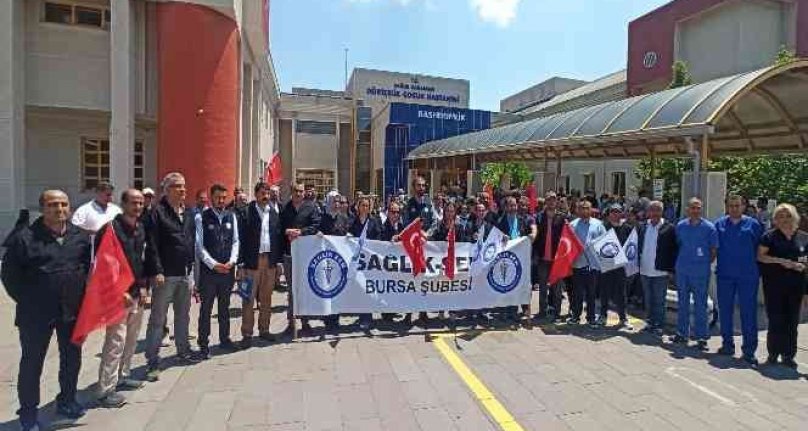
(492, 173)
(784, 56)
(681, 75)
(782, 177)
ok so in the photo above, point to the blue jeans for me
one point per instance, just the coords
(695, 285)
(747, 291)
(655, 291)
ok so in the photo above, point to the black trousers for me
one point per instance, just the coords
(549, 295)
(584, 287)
(783, 304)
(612, 287)
(218, 289)
(34, 341)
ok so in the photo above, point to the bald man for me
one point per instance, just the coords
(44, 271)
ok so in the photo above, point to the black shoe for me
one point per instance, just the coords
(153, 374)
(268, 337)
(678, 339)
(701, 345)
(246, 343)
(750, 359)
(771, 360)
(112, 400)
(71, 410)
(203, 354)
(31, 427)
(189, 357)
(573, 321)
(726, 351)
(228, 346)
(305, 329)
(790, 363)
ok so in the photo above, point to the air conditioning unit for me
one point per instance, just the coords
(712, 192)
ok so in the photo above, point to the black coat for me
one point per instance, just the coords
(473, 230)
(170, 240)
(306, 217)
(250, 236)
(622, 231)
(424, 210)
(374, 227)
(441, 233)
(557, 226)
(335, 224)
(522, 225)
(133, 244)
(46, 279)
(389, 231)
(667, 248)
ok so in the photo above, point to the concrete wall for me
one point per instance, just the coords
(733, 38)
(53, 152)
(655, 32)
(66, 65)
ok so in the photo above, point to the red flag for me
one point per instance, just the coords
(532, 198)
(450, 254)
(412, 238)
(111, 277)
(274, 171)
(569, 247)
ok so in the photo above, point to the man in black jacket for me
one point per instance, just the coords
(549, 225)
(170, 243)
(299, 217)
(44, 271)
(121, 338)
(420, 206)
(657, 250)
(261, 251)
(515, 227)
(612, 284)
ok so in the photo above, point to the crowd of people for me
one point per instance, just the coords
(224, 244)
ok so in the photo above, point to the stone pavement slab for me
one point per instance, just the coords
(552, 377)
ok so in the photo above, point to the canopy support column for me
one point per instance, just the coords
(558, 172)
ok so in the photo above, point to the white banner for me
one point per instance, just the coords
(609, 252)
(326, 281)
(631, 249)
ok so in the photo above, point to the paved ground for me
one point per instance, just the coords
(547, 378)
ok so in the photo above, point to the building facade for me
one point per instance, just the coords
(356, 140)
(128, 90)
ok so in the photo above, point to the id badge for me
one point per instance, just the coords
(699, 252)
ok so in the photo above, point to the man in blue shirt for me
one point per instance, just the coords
(698, 243)
(585, 268)
(737, 274)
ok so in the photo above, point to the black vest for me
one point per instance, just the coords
(218, 237)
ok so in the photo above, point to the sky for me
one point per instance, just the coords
(500, 46)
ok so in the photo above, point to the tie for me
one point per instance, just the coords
(514, 229)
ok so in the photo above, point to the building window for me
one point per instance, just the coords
(317, 127)
(81, 15)
(589, 183)
(137, 174)
(619, 183)
(95, 163)
(564, 184)
(321, 179)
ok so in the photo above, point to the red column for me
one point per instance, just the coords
(198, 123)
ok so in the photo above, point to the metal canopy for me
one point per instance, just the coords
(760, 111)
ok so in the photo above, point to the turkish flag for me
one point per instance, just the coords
(449, 266)
(569, 247)
(274, 171)
(532, 198)
(412, 238)
(111, 277)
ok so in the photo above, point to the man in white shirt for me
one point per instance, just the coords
(94, 214)
(657, 254)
